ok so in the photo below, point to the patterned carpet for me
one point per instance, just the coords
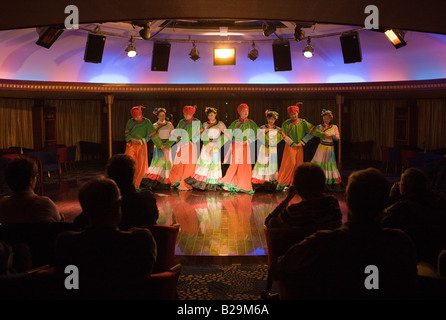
(222, 282)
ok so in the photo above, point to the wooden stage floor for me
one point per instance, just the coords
(214, 226)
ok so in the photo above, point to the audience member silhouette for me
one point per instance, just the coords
(139, 208)
(24, 205)
(441, 263)
(316, 208)
(360, 260)
(418, 212)
(107, 258)
(436, 173)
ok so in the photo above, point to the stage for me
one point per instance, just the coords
(215, 227)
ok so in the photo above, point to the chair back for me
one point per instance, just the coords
(71, 153)
(406, 155)
(62, 153)
(385, 155)
(166, 239)
(39, 237)
(279, 240)
(48, 158)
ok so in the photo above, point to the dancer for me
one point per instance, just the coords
(208, 169)
(296, 133)
(138, 131)
(186, 135)
(242, 132)
(325, 156)
(264, 173)
(158, 175)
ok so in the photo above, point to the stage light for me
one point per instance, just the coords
(224, 56)
(308, 50)
(254, 53)
(396, 37)
(268, 29)
(194, 53)
(131, 50)
(48, 35)
(145, 32)
(299, 34)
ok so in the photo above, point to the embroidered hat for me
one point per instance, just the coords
(292, 109)
(158, 110)
(136, 111)
(274, 114)
(210, 109)
(326, 112)
(189, 109)
(241, 107)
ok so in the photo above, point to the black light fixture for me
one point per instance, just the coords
(254, 53)
(268, 29)
(308, 50)
(194, 53)
(145, 31)
(94, 48)
(131, 50)
(351, 47)
(396, 37)
(48, 35)
(299, 33)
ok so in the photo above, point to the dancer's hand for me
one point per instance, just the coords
(288, 140)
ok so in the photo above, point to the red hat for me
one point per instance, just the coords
(241, 107)
(292, 109)
(136, 111)
(189, 109)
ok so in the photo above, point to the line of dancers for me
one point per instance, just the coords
(178, 162)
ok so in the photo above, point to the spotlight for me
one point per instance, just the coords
(299, 34)
(145, 32)
(254, 53)
(396, 37)
(268, 29)
(194, 53)
(131, 50)
(308, 50)
(224, 56)
(48, 35)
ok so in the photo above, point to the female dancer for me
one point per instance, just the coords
(186, 135)
(243, 131)
(296, 133)
(325, 155)
(138, 131)
(208, 169)
(158, 175)
(264, 173)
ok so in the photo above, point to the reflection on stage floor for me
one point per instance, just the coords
(212, 224)
(218, 223)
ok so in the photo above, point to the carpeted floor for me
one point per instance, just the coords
(222, 282)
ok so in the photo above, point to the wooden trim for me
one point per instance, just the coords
(46, 86)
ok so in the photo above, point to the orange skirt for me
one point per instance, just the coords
(238, 175)
(291, 159)
(183, 166)
(139, 153)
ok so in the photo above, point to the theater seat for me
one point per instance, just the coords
(279, 240)
(166, 238)
(44, 284)
(39, 237)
